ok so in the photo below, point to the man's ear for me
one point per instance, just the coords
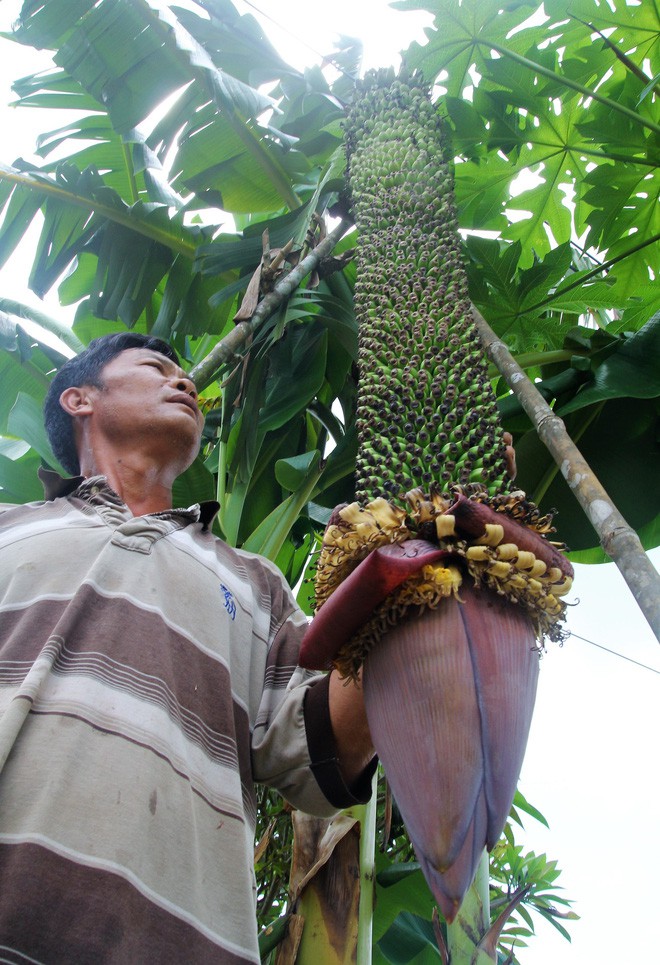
(76, 401)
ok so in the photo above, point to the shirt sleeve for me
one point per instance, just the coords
(323, 752)
(293, 747)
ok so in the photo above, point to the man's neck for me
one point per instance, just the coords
(144, 486)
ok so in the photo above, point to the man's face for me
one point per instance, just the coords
(147, 400)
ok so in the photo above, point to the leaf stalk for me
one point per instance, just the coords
(573, 84)
(204, 372)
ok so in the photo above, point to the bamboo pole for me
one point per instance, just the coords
(227, 349)
(617, 537)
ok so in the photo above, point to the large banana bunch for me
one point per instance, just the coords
(426, 410)
(439, 580)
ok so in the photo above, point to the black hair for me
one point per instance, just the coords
(86, 369)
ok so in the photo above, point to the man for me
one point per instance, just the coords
(147, 677)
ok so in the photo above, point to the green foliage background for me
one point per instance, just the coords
(192, 137)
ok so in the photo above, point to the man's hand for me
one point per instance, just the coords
(510, 455)
(350, 726)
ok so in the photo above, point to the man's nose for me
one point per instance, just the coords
(184, 384)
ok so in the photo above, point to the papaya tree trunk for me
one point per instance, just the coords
(617, 537)
(229, 347)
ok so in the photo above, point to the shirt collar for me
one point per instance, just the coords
(56, 486)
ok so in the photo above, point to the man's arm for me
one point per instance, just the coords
(350, 727)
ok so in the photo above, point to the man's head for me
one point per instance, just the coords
(86, 369)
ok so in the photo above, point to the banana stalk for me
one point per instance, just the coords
(440, 580)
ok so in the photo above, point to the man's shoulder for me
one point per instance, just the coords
(13, 516)
(55, 486)
(20, 509)
(7, 507)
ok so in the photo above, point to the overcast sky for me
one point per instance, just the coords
(592, 759)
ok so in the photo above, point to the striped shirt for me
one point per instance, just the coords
(148, 675)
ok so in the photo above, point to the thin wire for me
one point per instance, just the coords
(284, 29)
(325, 58)
(615, 653)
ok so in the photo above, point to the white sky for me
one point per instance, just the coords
(592, 759)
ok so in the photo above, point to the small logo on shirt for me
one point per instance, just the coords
(230, 606)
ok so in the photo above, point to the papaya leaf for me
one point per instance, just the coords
(639, 309)
(453, 41)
